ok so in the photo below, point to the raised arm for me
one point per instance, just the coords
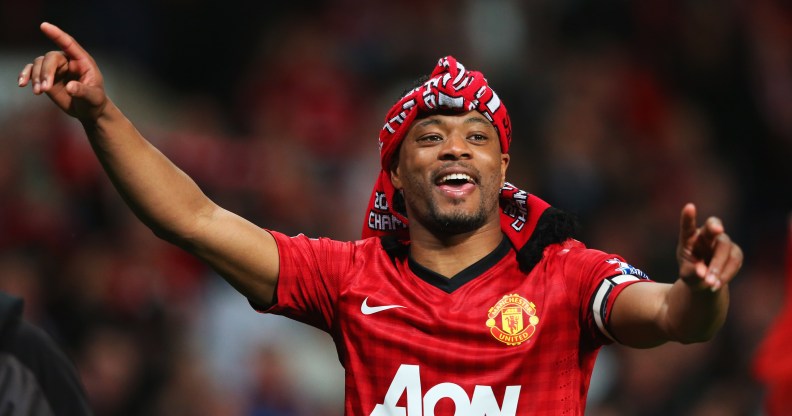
(694, 307)
(159, 193)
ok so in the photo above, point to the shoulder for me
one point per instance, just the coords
(572, 249)
(302, 243)
(572, 254)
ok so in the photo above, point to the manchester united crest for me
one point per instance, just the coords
(512, 320)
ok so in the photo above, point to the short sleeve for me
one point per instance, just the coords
(311, 270)
(597, 280)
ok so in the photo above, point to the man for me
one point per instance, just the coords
(474, 300)
(37, 377)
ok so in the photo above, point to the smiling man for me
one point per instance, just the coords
(465, 296)
(453, 173)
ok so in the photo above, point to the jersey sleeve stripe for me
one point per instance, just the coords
(600, 306)
(617, 280)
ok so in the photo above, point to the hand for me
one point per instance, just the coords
(69, 76)
(707, 256)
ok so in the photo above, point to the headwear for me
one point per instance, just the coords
(450, 87)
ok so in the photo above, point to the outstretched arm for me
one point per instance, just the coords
(694, 307)
(158, 192)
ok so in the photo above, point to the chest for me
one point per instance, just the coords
(503, 315)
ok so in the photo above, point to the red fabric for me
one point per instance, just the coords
(773, 363)
(446, 345)
(450, 86)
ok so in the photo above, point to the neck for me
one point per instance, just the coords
(448, 255)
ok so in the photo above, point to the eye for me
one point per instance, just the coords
(429, 138)
(478, 137)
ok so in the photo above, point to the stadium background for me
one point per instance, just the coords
(622, 111)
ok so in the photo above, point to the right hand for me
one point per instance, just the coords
(69, 76)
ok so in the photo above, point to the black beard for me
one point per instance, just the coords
(454, 223)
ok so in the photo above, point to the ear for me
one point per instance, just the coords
(504, 166)
(395, 177)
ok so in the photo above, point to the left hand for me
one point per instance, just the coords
(707, 257)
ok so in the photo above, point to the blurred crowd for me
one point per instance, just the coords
(622, 112)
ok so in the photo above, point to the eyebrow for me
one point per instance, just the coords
(477, 119)
(428, 122)
(469, 120)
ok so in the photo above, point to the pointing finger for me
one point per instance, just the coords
(687, 223)
(64, 41)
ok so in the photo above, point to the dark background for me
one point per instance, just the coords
(622, 112)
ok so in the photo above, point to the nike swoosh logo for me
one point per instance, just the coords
(368, 310)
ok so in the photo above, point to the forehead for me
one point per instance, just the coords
(450, 119)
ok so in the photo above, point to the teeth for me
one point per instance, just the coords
(456, 177)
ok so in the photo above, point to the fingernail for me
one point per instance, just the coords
(20, 81)
(44, 83)
(711, 279)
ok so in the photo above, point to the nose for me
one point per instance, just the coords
(455, 147)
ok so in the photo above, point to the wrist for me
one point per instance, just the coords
(106, 114)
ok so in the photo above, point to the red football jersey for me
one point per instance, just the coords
(492, 340)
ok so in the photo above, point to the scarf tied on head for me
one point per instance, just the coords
(451, 87)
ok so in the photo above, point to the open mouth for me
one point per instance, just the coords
(455, 179)
(456, 184)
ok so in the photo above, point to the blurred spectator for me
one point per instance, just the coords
(37, 377)
(772, 364)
